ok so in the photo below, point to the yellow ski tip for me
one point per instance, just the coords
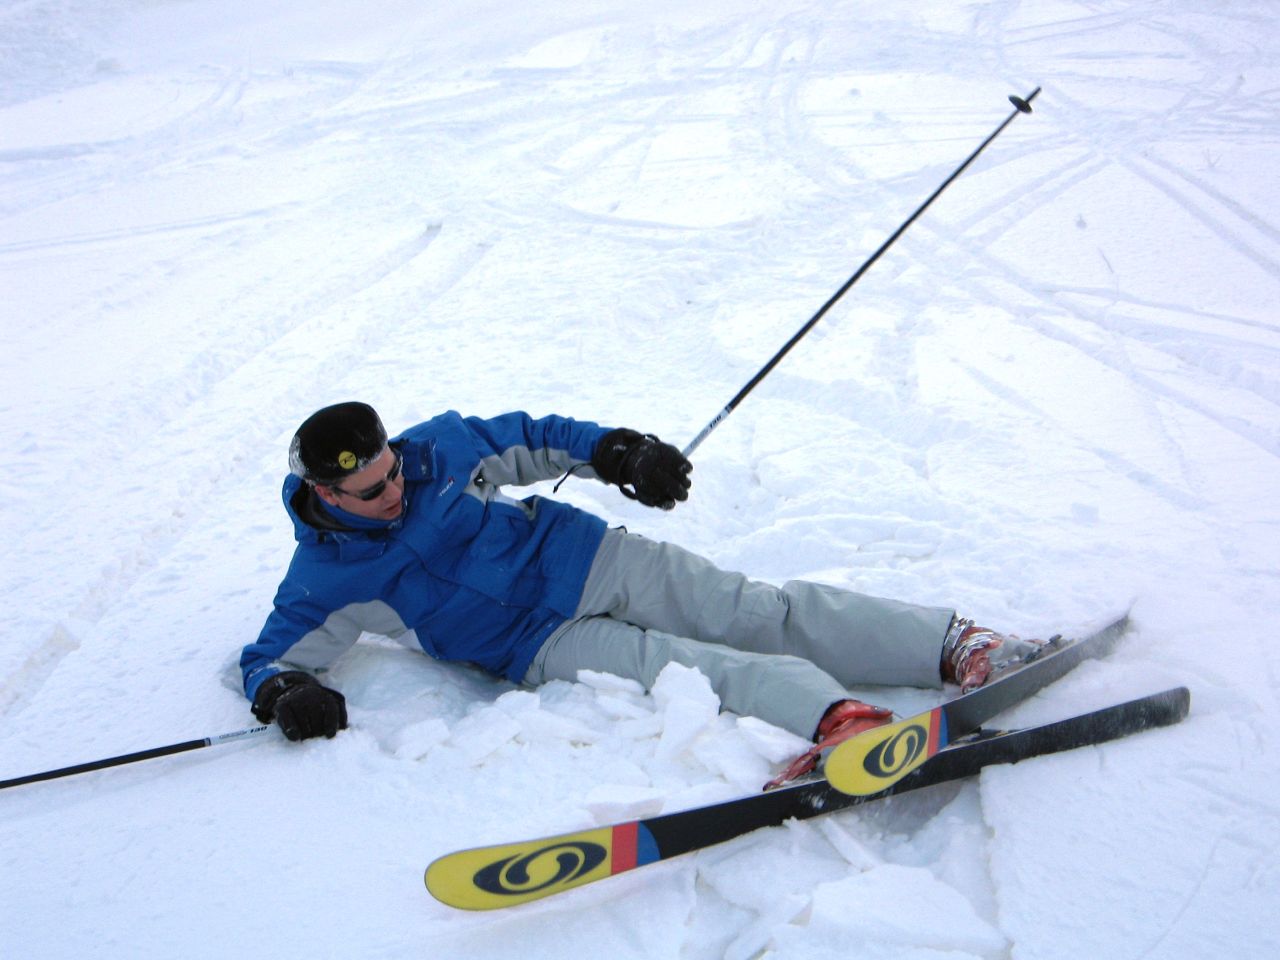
(879, 758)
(488, 878)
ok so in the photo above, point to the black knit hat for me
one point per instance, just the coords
(336, 442)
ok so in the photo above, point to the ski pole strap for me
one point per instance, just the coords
(151, 754)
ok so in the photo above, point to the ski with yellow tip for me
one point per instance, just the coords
(508, 874)
(876, 760)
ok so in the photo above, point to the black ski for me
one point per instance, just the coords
(486, 878)
(874, 761)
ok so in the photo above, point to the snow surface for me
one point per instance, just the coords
(1057, 393)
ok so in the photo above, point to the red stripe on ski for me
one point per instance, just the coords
(624, 847)
(937, 740)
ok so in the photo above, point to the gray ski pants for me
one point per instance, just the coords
(781, 654)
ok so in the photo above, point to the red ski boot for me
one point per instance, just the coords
(844, 719)
(972, 655)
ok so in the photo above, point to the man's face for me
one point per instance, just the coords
(382, 482)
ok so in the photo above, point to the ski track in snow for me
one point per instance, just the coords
(1057, 393)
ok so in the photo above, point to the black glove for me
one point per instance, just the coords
(300, 705)
(657, 473)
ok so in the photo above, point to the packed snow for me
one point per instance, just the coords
(1055, 396)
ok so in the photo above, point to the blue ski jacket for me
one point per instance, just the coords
(465, 572)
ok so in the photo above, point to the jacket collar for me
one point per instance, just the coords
(314, 520)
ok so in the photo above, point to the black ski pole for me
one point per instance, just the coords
(1022, 106)
(135, 757)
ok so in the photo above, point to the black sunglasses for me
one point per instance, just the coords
(374, 492)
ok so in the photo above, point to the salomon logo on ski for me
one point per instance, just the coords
(897, 753)
(559, 863)
(488, 878)
(879, 758)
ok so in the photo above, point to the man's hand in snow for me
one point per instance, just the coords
(300, 705)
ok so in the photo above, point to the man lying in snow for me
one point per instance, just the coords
(413, 538)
